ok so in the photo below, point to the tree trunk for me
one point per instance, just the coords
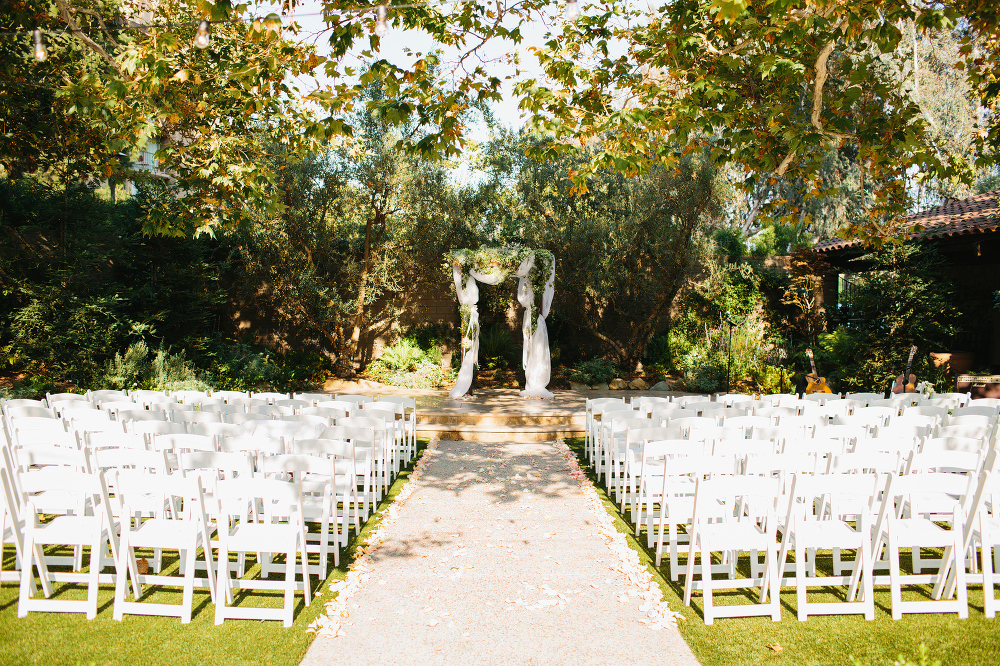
(345, 364)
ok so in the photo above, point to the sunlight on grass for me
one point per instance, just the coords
(821, 640)
(69, 638)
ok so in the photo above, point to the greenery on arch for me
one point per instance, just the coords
(505, 261)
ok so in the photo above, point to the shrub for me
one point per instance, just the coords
(35, 387)
(163, 372)
(235, 366)
(298, 370)
(496, 347)
(594, 371)
(407, 365)
(404, 355)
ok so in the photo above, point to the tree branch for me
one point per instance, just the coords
(821, 74)
(67, 14)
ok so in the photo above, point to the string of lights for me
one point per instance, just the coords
(203, 34)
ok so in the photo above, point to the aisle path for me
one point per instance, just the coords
(498, 557)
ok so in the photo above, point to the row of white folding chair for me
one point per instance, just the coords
(391, 409)
(160, 531)
(593, 408)
(762, 460)
(240, 457)
(736, 514)
(406, 420)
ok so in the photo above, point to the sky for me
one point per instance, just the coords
(396, 42)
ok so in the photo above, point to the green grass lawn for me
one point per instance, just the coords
(58, 638)
(69, 638)
(821, 640)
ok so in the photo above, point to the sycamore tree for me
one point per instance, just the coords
(123, 73)
(768, 88)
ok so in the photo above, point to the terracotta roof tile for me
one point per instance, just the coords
(977, 214)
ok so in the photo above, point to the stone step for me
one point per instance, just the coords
(507, 420)
(499, 433)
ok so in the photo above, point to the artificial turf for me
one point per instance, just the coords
(69, 638)
(821, 640)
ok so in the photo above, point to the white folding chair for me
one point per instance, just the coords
(734, 514)
(148, 398)
(601, 416)
(279, 528)
(327, 483)
(14, 412)
(978, 410)
(13, 533)
(293, 403)
(184, 528)
(392, 414)
(107, 395)
(677, 500)
(229, 396)
(314, 398)
(355, 398)
(96, 530)
(187, 417)
(52, 398)
(192, 397)
(356, 445)
(270, 396)
(830, 511)
(969, 444)
(381, 478)
(916, 531)
(658, 446)
(927, 410)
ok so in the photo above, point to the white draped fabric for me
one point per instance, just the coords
(536, 359)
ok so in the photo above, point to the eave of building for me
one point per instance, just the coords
(976, 215)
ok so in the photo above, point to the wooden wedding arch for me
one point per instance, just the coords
(535, 271)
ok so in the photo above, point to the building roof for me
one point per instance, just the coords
(977, 214)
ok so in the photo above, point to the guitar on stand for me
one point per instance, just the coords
(816, 384)
(907, 382)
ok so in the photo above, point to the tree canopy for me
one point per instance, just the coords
(768, 88)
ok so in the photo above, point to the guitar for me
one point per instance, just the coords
(907, 382)
(816, 384)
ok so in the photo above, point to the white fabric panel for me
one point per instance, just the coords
(535, 358)
(467, 295)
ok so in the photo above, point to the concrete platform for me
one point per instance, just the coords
(501, 415)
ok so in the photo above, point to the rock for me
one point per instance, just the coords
(639, 384)
(369, 384)
(660, 386)
(617, 384)
(577, 386)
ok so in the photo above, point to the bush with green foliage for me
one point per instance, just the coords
(699, 340)
(300, 370)
(235, 366)
(34, 388)
(407, 365)
(901, 301)
(162, 371)
(79, 281)
(497, 349)
(593, 372)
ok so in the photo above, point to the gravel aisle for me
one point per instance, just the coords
(498, 557)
